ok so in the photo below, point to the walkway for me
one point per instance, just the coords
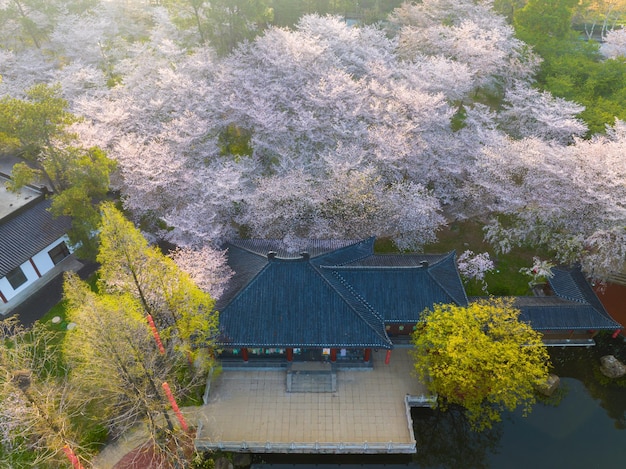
(368, 413)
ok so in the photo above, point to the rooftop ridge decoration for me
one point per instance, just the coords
(315, 247)
(570, 283)
(450, 258)
(364, 303)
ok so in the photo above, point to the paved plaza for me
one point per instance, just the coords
(252, 411)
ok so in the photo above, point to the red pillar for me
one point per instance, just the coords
(616, 333)
(333, 355)
(179, 414)
(289, 354)
(72, 457)
(368, 354)
(388, 357)
(156, 335)
(244, 354)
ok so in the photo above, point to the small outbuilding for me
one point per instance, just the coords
(32, 243)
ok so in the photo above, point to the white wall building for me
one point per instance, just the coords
(32, 242)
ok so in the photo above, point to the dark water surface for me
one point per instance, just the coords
(582, 426)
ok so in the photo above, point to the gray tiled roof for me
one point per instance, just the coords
(401, 292)
(336, 297)
(573, 305)
(289, 304)
(28, 232)
(554, 313)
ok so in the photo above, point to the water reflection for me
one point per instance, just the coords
(584, 426)
(445, 440)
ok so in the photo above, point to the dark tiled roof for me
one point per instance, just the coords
(571, 284)
(247, 257)
(25, 234)
(574, 306)
(342, 295)
(554, 313)
(289, 304)
(336, 297)
(447, 276)
(401, 293)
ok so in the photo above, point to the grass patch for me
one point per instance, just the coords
(506, 280)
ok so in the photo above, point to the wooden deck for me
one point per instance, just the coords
(251, 411)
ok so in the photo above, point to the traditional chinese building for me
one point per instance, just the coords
(337, 300)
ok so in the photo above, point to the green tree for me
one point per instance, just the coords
(508, 8)
(544, 18)
(28, 22)
(36, 130)
(115, 360)
(480, 357)
(221, 23)
(183, 312)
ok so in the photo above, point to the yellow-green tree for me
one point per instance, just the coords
(115, 362)
(40, 411)
(481, 357)
(182, 311)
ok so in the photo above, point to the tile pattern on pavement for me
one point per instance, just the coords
(251, 410)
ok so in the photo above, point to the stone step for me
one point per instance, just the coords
(311, 381)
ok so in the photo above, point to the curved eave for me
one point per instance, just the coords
(380, 345)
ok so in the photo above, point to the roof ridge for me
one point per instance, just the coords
(356, 296)
(449, 257)
(242, 248)
(369, 240)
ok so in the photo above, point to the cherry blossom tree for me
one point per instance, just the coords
(567, 198)
(473, 267)
(331, 131)
(614, 44)
(528, 112)
(465, 31)
(343, 205)
(206, 266)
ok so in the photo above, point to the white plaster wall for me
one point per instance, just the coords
(42, 261)
(31, 277)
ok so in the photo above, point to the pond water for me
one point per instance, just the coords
(583, 426)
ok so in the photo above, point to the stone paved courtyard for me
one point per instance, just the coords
(252, 411)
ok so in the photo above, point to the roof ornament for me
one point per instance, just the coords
(424, 264)
(271, 255)
(305, 255)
